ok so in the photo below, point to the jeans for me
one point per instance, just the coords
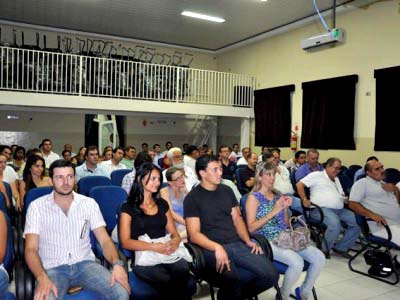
(170, 280)
(295, 262)
(259, 271)
(333, 218)
(89, 275)
(3, 283)
(296, 204)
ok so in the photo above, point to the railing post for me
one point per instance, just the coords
(80, 75)
(178, 75)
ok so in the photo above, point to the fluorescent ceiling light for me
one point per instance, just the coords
(203, 17)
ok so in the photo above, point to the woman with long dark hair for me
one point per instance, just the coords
(33, 176)
(145, 219)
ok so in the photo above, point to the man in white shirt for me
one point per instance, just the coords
(158, 154)
(115, 162)
(91, 167)
(326, 191)
(189, 160)
(235, 155)
(48, 155)
(243, 160)
(57, 242)
(375, 199)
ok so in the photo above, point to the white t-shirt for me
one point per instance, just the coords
(282, 181)
(370, 194)
(109, 166)
(323, 191)
(9, 175)
(241, 161)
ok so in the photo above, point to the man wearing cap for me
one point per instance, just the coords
(189, 160)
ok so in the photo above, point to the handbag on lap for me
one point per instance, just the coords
(296, 239)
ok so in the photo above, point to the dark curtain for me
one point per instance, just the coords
(387, 109)
(328, 113)
(91, 131)
(273, 116)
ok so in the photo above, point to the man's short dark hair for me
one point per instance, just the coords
(65, 151)
(275, 149)
(118, 148)
(2, 147)
(331, 161)
(145, 144)
(372, 158)
(266, 156)
(91, 148)
(141, 158)
(235, 145)
(312, 150)
(60, 163)
(127, 148)
(155, 145)
(202, 163)
(168, 143)
(221, 147)
(46, 140)
(298, 153)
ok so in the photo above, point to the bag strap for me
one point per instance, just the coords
(298, 219)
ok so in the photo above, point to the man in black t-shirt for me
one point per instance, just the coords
(214, 222)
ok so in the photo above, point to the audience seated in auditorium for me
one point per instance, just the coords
(129, 178)
(129, 157)
(311, 165)
(282, 181)
(33, 176)
(65, 258)
(214, 223)
(228, 166)
(144, 221)
(91, 167)
(360, 173)
(189, 159)
(79, 158)
(247, 173)
(176, 160)
(115, 162)
(3, 247)
(7, 174)
(267, 214)
(174, 193)
(375, 199)
(48, 155)
(245, 154)
(296, 162)
(326, 192)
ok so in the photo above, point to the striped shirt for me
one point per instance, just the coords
(63, 239)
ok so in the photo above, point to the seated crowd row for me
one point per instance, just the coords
(200, 202)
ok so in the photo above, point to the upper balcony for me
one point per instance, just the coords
(121, 79)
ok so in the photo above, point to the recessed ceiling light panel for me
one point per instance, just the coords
(202, 16)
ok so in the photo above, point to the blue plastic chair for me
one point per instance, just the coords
(240, 185)
(8, 189)
(118, 175)
(9, 257)
(88, 182)
(3, 205)
(33, 194)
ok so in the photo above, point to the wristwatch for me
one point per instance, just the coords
(118, 263)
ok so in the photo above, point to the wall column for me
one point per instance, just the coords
(245, 133)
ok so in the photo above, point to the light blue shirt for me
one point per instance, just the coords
(83, 171)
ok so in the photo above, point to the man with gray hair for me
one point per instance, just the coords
(175, 157)
(326, 192)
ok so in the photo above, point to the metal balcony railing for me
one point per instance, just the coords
(71, 74)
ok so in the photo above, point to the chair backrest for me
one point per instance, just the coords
(293, 181)
(33, 194)
(9, 257)
(85, 184)
(110, 199)
(8, 189)
(243, 207)
(3, 206)
(239, 183)
(118, 175)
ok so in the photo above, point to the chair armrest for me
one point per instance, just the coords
(388, 231)
(24, 281)
(308, 210)
(196, 252)
(264, 244)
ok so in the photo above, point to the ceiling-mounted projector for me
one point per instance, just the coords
(336, 35)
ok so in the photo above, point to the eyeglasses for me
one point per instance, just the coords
(179, 178)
